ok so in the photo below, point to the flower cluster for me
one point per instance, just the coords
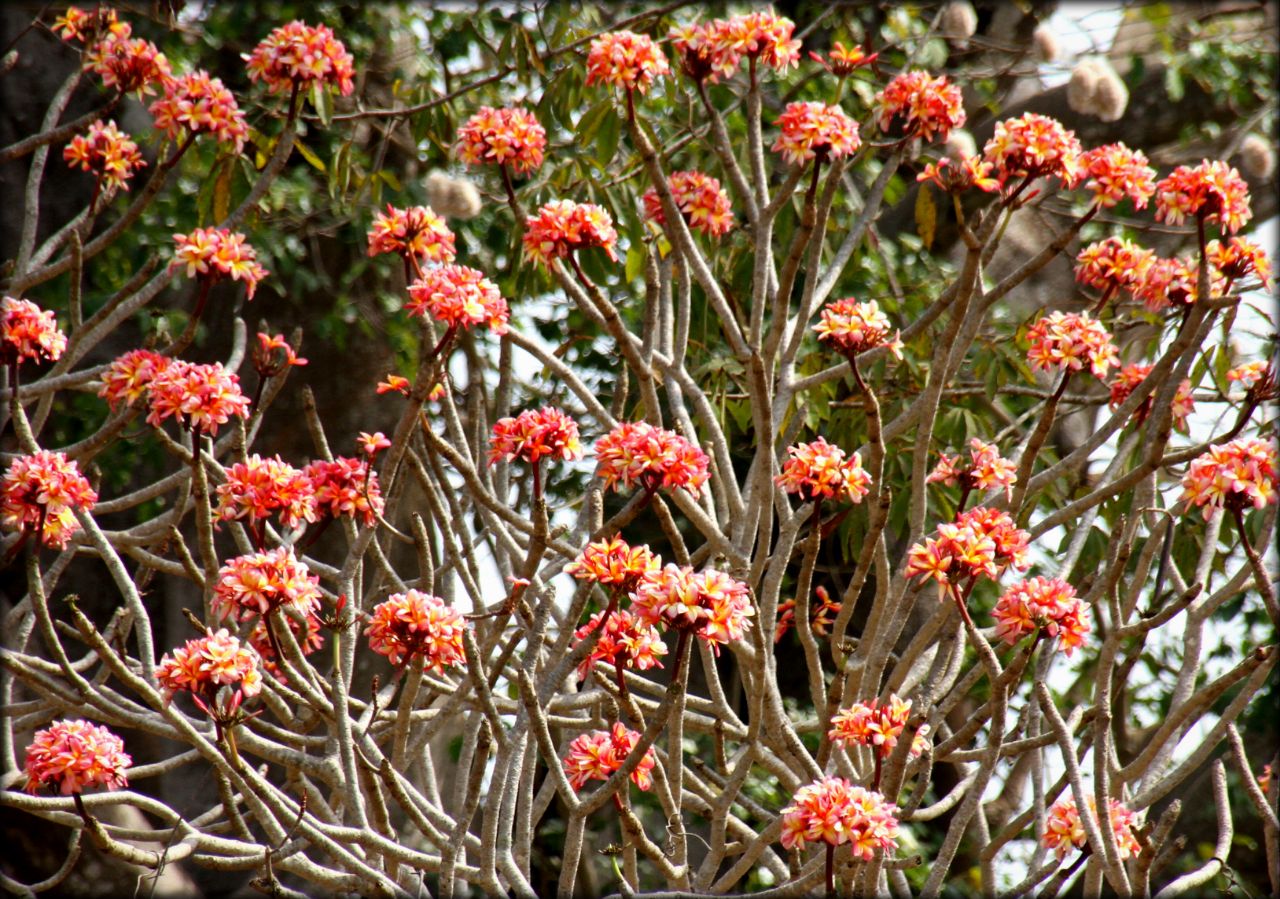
(814, 130)
(1063, 829)
(27, 331)
(1034, 146)
(82, 25)
(1066, 341)
(843, 61)
(834, 811)
(127, 63)
(459, 297)
(413, 233)
(346, 486)
(986, 470)
(563, 226)
(201, 397)
(260, 583)
(273, 355)
(1174, 281)
(958, 176)
(1131, 376)
(822, 616)
(851, 327)
(215, 254)
(700, 199)
(257, 488)
(928, 107)
(596, 755)
(1250, 374)
(41, 492)
(197, 104)
(626, 642)
(715, 49)
(300, 56)
(1042, 602)
(1211, 191)
(106, 151)
(535, 433)
(1117, 173)
(207, 663)
(511, 136)
(819, 470)
(876, 725)
(129, 376)
(1113, 264)
(1232, 476)
(709, 604)
(614, 563)
(981, 542)
(417, 626)
(625, 59)
(1238, 258)
(636, 452)
(73, 755)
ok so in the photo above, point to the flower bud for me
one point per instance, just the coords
(452, 197)
(1084, 80)
(1095, 89)
(960, 145)
(1045, 44)
(959, 22)
(1257, 157)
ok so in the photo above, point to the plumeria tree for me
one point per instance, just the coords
(722, 534)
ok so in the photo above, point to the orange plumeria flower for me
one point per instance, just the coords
(813, 130)
(41, 492)
(107, 152)
(394, 384)
(1212, 191)
(459, 297)
(957, 177)
(417, 628)
(73, 755)
(834, 811)
(596, 755)
(1131, 376)
(700, 199)
(652, 457)
(1067, 342)
(1044, 603)
(199, 104)
(843, 61)
(300, 56)
(625, 59)
(511, 136)
(852, 327)
(819, 470)
(926, 107)
(561, 227)
(29, 332)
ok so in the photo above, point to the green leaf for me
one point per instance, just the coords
(392, 181)
(321, 101)
(531, 48)
(926, 216)
(607, 140)
(222, 189)
(590, 121)
(635, 261)
(1173, 85)
(316, 162)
